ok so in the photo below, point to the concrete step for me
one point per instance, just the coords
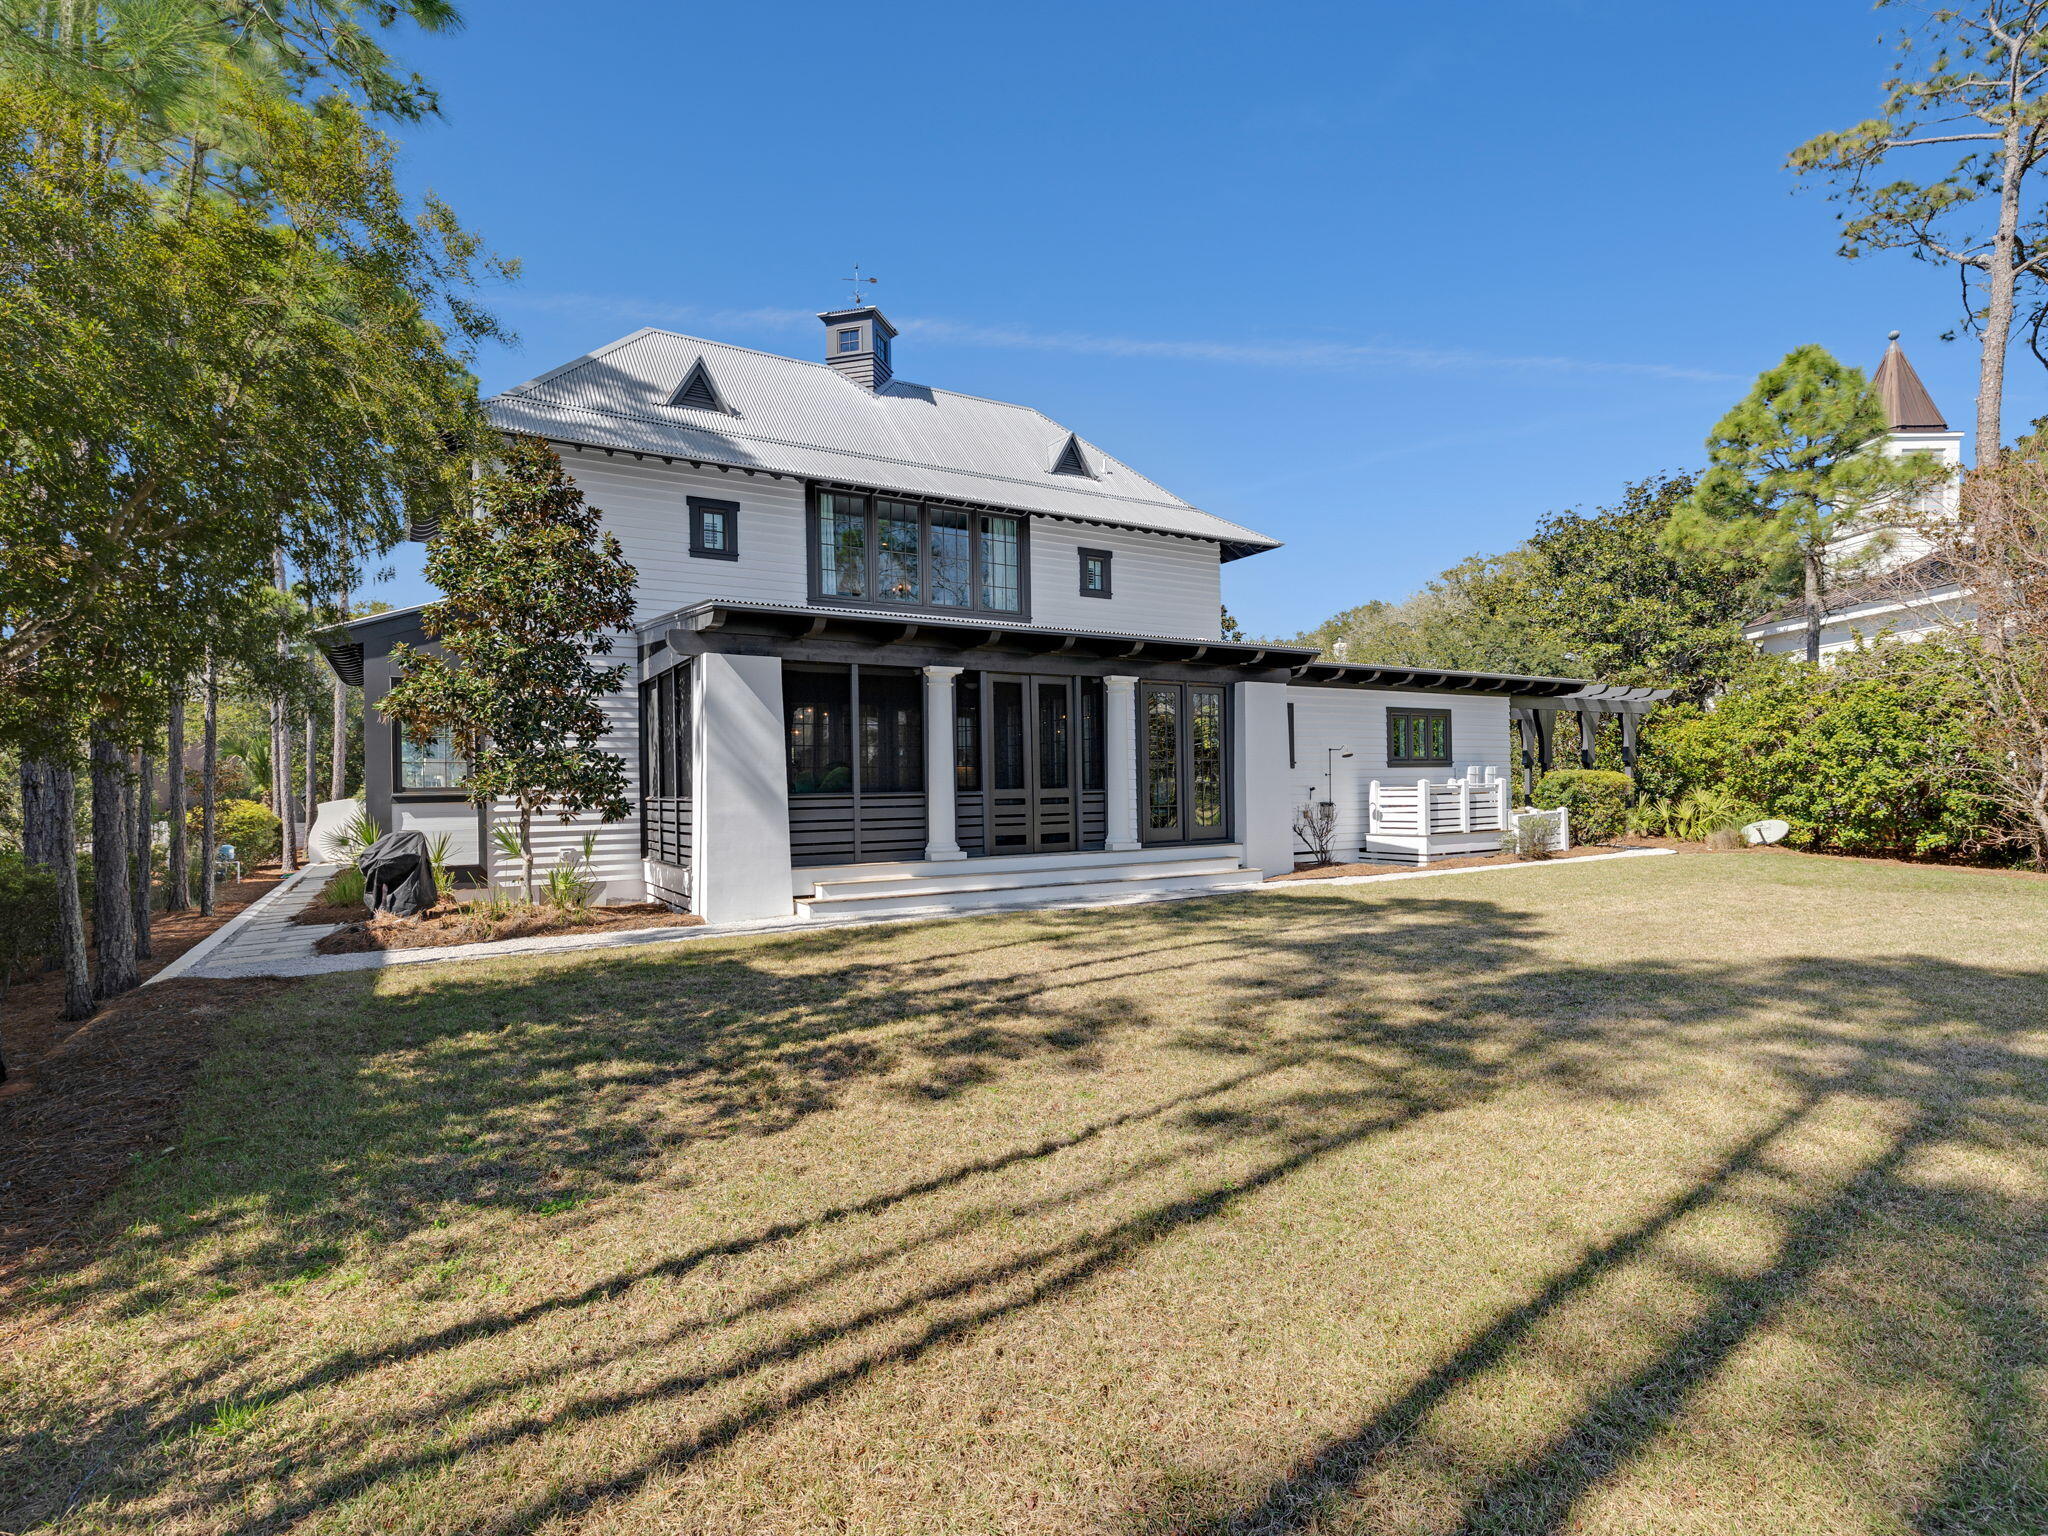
(998, 874)
(1153, 882)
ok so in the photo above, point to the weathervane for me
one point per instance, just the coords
(856, 280)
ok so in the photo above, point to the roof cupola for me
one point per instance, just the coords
(857, 345)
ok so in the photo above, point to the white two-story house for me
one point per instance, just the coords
(899, 648)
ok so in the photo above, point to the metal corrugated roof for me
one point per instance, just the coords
(801, 418)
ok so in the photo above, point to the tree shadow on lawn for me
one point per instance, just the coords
(1317, 982)
(350, 1113)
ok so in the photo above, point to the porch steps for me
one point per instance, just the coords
(974, 884)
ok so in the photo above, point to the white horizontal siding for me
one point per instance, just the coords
(1357, 719)
(616, 858)
(646, 503)
(1158, 585)
(455, 821)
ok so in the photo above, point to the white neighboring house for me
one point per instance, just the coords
(1890, 583)
(902, 649)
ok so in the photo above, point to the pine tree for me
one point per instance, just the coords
(1792, 464)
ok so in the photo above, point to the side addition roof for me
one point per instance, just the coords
(799, 418)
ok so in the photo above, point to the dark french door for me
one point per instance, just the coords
(1183, 742)
(1034, 763)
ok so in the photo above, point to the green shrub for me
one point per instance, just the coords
(1875, 753)
(254, 829)
(28, 911)
(1598, 799)
(345, 889)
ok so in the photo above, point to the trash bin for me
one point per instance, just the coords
(398, 877)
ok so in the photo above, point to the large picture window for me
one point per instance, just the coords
(1419, 738)
(885, 551)
(434, 764)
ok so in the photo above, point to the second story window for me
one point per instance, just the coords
(887, 552)
(714, 529)
(1095, 572)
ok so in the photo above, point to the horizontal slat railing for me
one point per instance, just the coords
(1429, 808)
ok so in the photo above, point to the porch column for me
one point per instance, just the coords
(1628, 739)
(941, 835)
(741, 859)
(1120, 761)
(1589, 736)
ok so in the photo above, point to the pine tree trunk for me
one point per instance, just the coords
(312, 782)
(337, 748)
(281, 782)
(144, 825)
(78, 998)
(39, 830)
(209, 773)
(178, 895)
(113, 916)
(2000, 284)
(1815, 610)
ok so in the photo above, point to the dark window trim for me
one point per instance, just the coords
(1108, 559)
(1397, 714)
(1290, 735)
(972, 611)
(399, 788)
(699, 505)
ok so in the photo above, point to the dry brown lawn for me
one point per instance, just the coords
(1697, 1194)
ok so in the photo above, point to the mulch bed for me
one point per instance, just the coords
(29, 1026)
(85, 1099)
(452, 922)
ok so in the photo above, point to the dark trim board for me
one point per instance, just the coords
(730, 511)
(916, 639)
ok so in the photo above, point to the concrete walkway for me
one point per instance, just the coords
(264, 941)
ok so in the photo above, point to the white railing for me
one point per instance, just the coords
(1428, 808)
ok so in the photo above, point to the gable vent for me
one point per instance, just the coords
(1071, 460)
(697, 392)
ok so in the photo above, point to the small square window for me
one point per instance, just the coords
(1095, 572)
(849, 341)
(714, 529)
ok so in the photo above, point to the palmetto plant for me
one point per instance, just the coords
(358, 832)
(572, 884)
(438, 850)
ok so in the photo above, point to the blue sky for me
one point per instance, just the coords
(1386, 282)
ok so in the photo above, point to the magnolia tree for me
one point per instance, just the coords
(1795, 464)
(535, 591)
